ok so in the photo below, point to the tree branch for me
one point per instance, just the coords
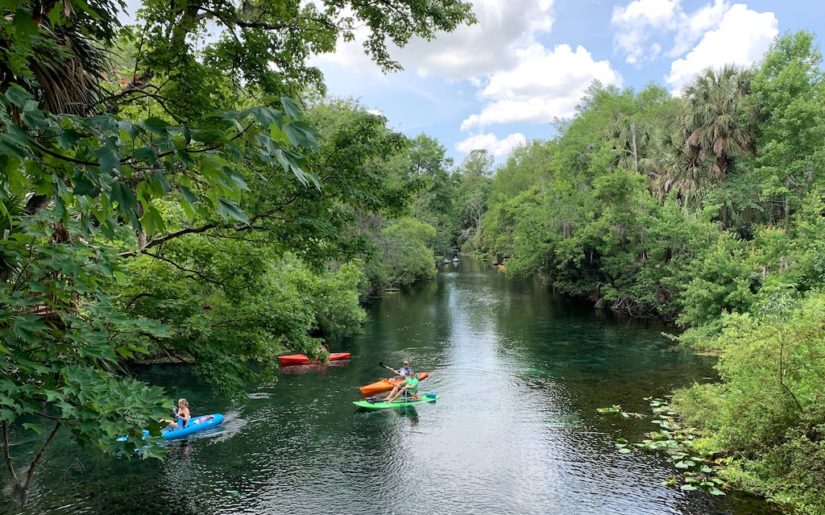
(36, 460)
(7, 451)
(184, 269)
(154, 242)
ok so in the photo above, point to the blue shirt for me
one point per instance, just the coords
(405, 371)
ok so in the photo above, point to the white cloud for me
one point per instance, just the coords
(466, 53)
(741, 38)
(490, 44)
(691, 27)
(644, 27)
(637, 23)
(542, 86)
(491, 143)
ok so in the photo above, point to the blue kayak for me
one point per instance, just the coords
(195, 425)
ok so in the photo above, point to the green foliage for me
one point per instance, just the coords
(708, 210)
(174, 198)
(63, 340)
(435, 203)
(405, 254)
(788, 92)
(472, 190)
(768, 410)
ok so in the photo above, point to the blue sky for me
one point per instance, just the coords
(503, 81)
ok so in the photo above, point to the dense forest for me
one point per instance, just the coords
(169, 194)
(707, 210)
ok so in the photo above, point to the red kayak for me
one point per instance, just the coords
(302, 359)
(388, 384)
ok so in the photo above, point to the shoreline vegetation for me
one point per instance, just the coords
(707, 210)
(180, 198)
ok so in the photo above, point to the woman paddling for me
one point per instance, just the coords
(182, 415)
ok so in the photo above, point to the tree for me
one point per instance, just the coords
(99, 169)
(435, 204)
(713, 121)
(788, 92)
(472, 191)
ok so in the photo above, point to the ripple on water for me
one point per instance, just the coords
(515, 431)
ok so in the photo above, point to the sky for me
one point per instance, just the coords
(503, 81)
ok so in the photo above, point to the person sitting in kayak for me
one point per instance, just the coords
(405, 371)
(408, 387)
(182, 415)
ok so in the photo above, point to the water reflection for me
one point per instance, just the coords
(520, 374)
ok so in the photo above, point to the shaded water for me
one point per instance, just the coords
(520, 373)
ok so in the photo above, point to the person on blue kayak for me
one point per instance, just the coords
(409, 388)
(182, 415)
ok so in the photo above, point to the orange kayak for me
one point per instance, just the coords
(388, 384)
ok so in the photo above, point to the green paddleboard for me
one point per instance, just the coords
(396, 403)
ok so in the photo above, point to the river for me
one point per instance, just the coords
(520, 373)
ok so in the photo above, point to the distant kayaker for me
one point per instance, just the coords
(408, 387)
(182, 415)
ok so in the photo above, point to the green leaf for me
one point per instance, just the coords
(67, 138)
(160, 179)
(32, 116)
(715, 491)
(127, 127)
(229, 209)
(292, 109)
(127, 203)
(301, 135)
(187, 194)
(37, 428)
(108, 158)
(688, 488)
(17, 95)
(145, 154)
(152, 221)
(156, 126)
(82, 184)
(265, 116)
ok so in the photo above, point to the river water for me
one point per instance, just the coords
(520, 374)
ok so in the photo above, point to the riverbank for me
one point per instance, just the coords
(520, 373)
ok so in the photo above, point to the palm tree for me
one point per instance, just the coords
(713, 121)
(61, 65)
(675, 169)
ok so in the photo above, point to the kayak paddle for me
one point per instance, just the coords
(381, 363)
